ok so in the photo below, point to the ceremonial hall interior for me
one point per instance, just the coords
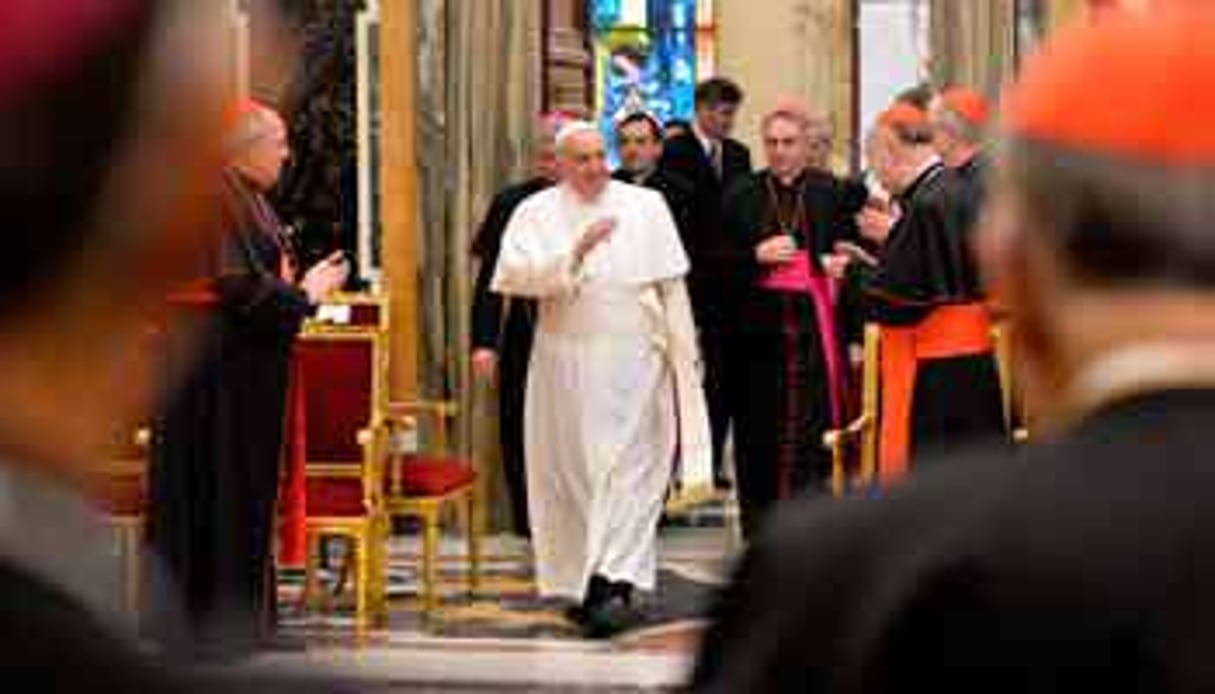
(400, 557)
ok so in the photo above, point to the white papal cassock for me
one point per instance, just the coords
(613, 386)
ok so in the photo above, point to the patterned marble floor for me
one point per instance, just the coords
(506, 639)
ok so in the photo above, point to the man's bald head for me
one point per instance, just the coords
(582, 159)
(255, 143)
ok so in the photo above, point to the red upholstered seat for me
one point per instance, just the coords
(423, 475)
(335, 497)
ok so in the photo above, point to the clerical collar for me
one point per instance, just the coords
(928, 170)
(792, 184)
(1139, 369)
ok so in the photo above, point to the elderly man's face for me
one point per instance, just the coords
(786, 146)
(640, 146)
(893, 161)
(262, 161)
(942, 140)
(582, 164)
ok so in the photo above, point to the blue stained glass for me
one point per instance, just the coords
(652, 70)
(604, 14)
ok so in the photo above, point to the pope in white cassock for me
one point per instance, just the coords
(613, 390)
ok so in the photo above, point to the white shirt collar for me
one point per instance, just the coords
(706, 142)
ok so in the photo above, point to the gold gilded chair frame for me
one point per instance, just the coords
(367, 534)
(863, 432)
(466, 500)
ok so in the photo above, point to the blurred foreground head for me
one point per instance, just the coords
(1100, 235)
(109, 119)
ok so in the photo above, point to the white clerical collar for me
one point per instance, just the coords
(1137, 369)
(929, 163)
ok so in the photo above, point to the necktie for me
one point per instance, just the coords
(715, 156)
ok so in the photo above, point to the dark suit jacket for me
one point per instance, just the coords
(1084, 565)
(684, 158)
(487, 328)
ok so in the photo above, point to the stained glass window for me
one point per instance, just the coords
(649, 55)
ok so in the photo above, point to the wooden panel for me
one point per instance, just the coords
(399, 178)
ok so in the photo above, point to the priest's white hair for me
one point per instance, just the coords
(572, 129)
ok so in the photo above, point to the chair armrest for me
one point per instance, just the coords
(833, 438)
(405, 413)
(436, 408)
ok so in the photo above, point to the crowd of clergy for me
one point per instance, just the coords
(689, 298)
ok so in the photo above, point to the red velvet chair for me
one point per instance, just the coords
(342, 376)
(423, 483)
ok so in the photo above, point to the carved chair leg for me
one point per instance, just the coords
(430, 561)
(474, 544)
(360, 549)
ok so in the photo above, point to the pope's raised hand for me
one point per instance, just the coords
(594, 235)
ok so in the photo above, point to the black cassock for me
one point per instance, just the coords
(512, 341)
(779, 350)
(218, 441)
(1081, 565)
(928, 262)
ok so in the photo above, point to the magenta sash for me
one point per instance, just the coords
(799, 276)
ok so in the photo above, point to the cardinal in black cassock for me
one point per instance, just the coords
(217, 444)
(939, 379)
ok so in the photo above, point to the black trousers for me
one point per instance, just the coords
(515, 355)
